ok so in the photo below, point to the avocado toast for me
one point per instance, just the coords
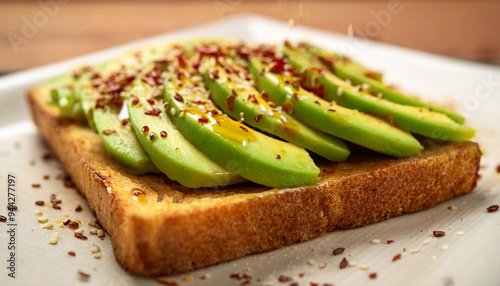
(195, 227)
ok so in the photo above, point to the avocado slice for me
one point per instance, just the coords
(345, 68)
(168, 149)
(418, 120)
(248, 105)
(236, 147)
(351, 125)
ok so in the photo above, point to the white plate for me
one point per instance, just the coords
(471, 259)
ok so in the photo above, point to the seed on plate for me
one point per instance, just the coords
(363, 267)
(95, 249)
(100, 233)
(352, 263)
(97, 255)
(452, 208)
(54, 240)
(311, 262)
(80, 230)
(444, 247)
(47, 225)
(427, 240)
(39, 212)
(93, 231)
(460, 233)
(376, 241)
(434, 258)
(61, 225)
(414, 250)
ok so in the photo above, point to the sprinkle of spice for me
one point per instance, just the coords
(78, 208)
(284, 278)
(343, 263)
(145, 129)
(373, 275)
(56, 207)
(243, 128)
(152, 136)
(39, 203)
(3, 218)
(163, 134)
(258, 118)
(338, 250)
(202, 119)
(178, 97)
(492, 208)
(83, 275)
(71, 253)
(80, 235)
(278, 157)
(396, 257)
(36, 186)
(438, 233)
(390, 241)
(46, 177)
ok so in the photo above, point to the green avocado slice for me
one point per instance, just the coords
(168, 149)
(351, 125)
(236, 147)
(418, 120)
(249, 106)
(346, 69)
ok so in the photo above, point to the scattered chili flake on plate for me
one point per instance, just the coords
(492, 208)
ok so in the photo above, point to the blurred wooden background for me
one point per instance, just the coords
(62, 29)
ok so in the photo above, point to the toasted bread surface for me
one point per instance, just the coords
(173, 229)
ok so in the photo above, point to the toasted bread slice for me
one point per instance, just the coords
(172, 228)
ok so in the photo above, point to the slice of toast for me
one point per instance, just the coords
(172, 228)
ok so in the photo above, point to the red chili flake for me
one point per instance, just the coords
(47, 156)
(67, 222)
(152, 136)
(258, 118)
(124, 122)
(135, 101)
(284, 278)
(492, 208)
(230, 101)
(390, 241)
(155, 112)
(145, 129)
(108, 131)
(338, 250)
(246, 276)
(343, 263)
(327, 284)
(313, 284)
(272, 104)
(278, 66)
(73, 225)
(71, 253)
(373, 275)
(36, 186)
(178, 97)
(208, 51)
(56, 207)
(301, 275)
(78, 208)
(83, 275)
(163, 134)
(150, 101)
(251, 97)
(294, 284)
(202, 119)
(296, 96)
(39, 203)
(396, 257)
(332, 110)
(264, 95)
(79, 235)
(3, 218)
(288, 106)
(317, 102)
(438, 233)
(166, 281)
(498, 169)
(11, 208)
(243, 128)
(46, 177)
(137, 192)
(278, 157)
(199, 102)
(214, 112)
(213, 74)
(246, 282)
(235, 276)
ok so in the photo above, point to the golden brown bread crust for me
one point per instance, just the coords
(174, 229)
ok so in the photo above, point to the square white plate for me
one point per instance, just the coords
(471, 259)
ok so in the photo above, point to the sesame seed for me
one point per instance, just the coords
(363, 267)
(444, 247)
(340, 90)
(414, 250)
(427, 240)
(80, 230)
(460, 233)
(434, 258)
(453, 208)
(311, 262)
(376, 241)
(352, 263)
(97, 255)
(83, 275)
(172, 111)
(47, 225)
(43, 219)
(100, 233)
(61, 225)
(93, 231)
(108, 190)
(53, 240)
(39, 212)
(95, 249)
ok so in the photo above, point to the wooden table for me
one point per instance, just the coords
(35, 34)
